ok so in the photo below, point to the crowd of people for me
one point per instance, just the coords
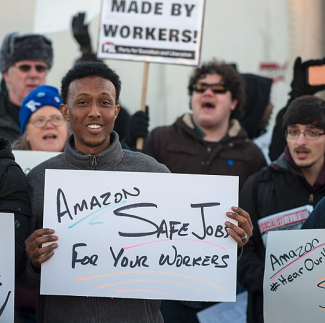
(84, 119)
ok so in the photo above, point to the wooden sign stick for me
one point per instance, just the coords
(139, 144)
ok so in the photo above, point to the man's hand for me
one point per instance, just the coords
(80, 32)
(138, 127)
(38, 254)
(299, 85)
(244, 230)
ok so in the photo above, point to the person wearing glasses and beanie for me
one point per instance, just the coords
(209, 140)
(296, 179)
(41, 122)
(25, 60)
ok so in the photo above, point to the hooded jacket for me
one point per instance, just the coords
(70, 309)
(286, 189)
(182, 149)
(258, 90)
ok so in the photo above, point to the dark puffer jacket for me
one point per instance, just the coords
(274, 189)
(14, 198)
(183, 150)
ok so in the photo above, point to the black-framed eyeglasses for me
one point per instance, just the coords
(309, 134)
(27, 67)
(41, 122)
(215, 88)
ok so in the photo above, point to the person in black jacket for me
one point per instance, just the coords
(295, 179)
(14, 198)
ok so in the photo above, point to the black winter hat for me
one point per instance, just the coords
(16, 47)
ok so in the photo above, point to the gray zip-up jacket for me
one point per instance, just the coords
(70, 309)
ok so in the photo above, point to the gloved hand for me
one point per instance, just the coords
(138, 127)
(80, 32)
(299, 85)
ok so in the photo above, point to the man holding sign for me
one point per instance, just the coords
(90, 94)
(281, 196)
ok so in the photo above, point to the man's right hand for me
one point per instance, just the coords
(36, 252)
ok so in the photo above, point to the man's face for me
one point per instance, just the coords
(212, 110)
(306, 153)
(91, 110)
(23, 77)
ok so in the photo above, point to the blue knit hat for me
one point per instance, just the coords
(41, 96)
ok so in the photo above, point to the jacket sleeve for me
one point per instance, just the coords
(316, 219)
(30, 279)
(14, 198)
(251, 264)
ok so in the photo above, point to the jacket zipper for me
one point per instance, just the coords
(311, 199)
(94, 161)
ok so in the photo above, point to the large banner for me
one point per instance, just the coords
(294, 279)
(7, 267)
(140, 235)
(161, 32)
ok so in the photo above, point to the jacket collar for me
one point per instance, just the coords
(234, 129)
(105, 160)
(286, 163)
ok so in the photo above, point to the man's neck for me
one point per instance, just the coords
(13, 99)
(311, 174)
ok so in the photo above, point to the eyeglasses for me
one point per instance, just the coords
(56, 121)
(309, 134)
(215, 88)
(26, 68)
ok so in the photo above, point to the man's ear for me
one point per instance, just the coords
(117, 110)
(234, 104)
(6, 76)
(65, 111)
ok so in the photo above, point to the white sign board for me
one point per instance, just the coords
(28, 159)
(152, 31)
(294, 279)
(7, 267)
(140, 235)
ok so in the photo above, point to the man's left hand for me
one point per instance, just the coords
(244, 230)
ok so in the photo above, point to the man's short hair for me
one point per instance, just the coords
(88, 69)
(307, 109)
(230, 77)
(16, 47)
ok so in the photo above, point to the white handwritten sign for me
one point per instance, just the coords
(140, 235)
(28, 159)
(294, 279)
(7, 267)
(152, 31)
